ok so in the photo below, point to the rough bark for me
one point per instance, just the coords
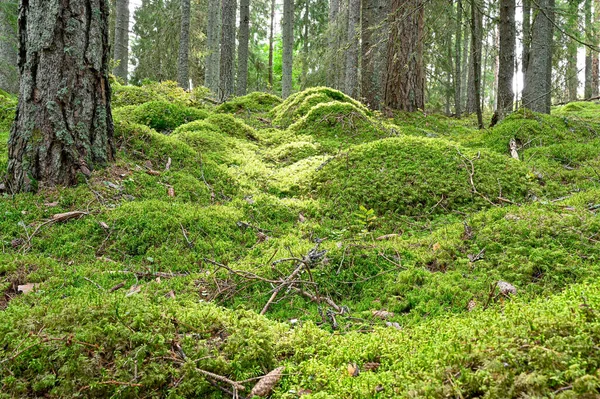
(183, 61)
(595, 58)
(305, 38)
(589, 37)
(9, 77)
(506, 58)
(227, 70)
(288, 47)
(476, 30)
(458, 60)
(63, 126)
(121, 46)
(271, 43)
(351, 81)
(243, 38)
(405, 85)
(334, 11)
(572, 79)
(372, 12)
(526, 34)
(537, 93)
(213, 34)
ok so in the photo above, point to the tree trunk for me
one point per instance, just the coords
(271, 43)
(405, 85)
(243, 38)
(476, 31)
(506, 58)
(595, 61)
(227, 71)
(458, 60)
(183, 62)
(526, 34)
(371, 51)
(351, 83)
(9, 77)
(63, 125)
(121, 47)
(288, 47)
(332, 41)
(589, 38)
(213, 34)
(305, 36)
(537, 93)
(572, 79)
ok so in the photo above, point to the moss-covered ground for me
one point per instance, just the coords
(404, 257)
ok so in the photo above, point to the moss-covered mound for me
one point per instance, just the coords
(289, 153)
(160, 115)
(256, 102)
(299, 104)
(169, 91)
(233, 127)
(337, 125)
(414, 176)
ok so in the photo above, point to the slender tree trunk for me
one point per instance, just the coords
(227, 70)
(526, 34)
(351, 83)
(537, 93)
(476, 30)
(305, 38)
(63, 126)
(595, 60)
(506, 58)
(288, 47)
(458, 60)
(572, 79)
(271, 43)
(589, 37)
(405, 85)
(9, 77)
(213, 34)
(372, 13)
(466, 62)
(243, 38)
(121, 47)
(332, 41)
(183, 63)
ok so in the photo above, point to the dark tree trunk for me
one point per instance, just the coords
(595, 61)
(506, 58)
(371, 76)
(572, 24)
(271, 43)
(537, 93)
(526, 34)
(243, 38)
(458, 60)
(183, 62)
(351, 82)
(121, 46)
(213, 35)
(64, 124)
(305, 39)
(9, 76)
(476, 30)
(589, 37)
(227, 71)
(288, 47)
(405, 80)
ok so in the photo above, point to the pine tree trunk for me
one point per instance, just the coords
(227, 71)
(332, 35)
(288, 47)
(405, 85)
(271, 43)
(589, 37)
(305, 36)
(371, 52)
(183, 62)
(526, 34)
(458, 60)
(595, 60)
(572, 79)
(537, 93)
(476, 32)
(351, 83)
(64, 125)
(9, 77)
(121, 46)
(243, 38)
(213, 35)
(506, 58)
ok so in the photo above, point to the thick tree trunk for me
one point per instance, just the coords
(227, 71)
(288, 47)
(572, 79)
(64, 125)
(271, 44)
(213, 35)
(589, 37)
(506, 58)
(121, 46)
(183, 61)
(537, 93)
(351, 82)
(405, 82)
(243, 38)
(9, 76)
(332, 41)
(476, 31)
(458, 60)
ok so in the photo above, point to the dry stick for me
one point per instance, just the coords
(281, 286)
(472, 173)
(316, 299)
(93, 282)
(218, 377)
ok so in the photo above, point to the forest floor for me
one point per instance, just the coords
(349, 254)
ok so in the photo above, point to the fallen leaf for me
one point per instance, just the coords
(301, 218)
(171, 192)
(135, 289)
(506, 288)
(103, 225)
(63, 217)
(51, 204)
(471, 305)
(436, 247)
(266, 384)
(170, 294)
(393, 325)
(353, 370)
(26, 288)
(153, 172)
(383, 314)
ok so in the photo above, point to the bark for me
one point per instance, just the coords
(572, 72)
(226, 80)
(121, 46)
(63, 126)
(537, 92)
(476, 30)
(305, 36)
(405, 85)
(526, 34)
(288, 47)
(371, 51)
(243, 38)
(351, 81)
(183, 62)
(589, 37)
(271, 43)
(9, 77)
(332, 41)
(595, 60)
(458, 60)
(213, 34)
(506, 58)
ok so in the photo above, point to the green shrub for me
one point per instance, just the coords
(165, 116)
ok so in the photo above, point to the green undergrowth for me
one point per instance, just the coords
(169, 91)
(256, 102)
(161, 115)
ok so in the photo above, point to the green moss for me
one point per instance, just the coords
(161, 116)
(169, 91)
(3, 150)
(256, 102)
(233, 127)
(8, 107)
(292, 152)
(413, 176)
(296, 178)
